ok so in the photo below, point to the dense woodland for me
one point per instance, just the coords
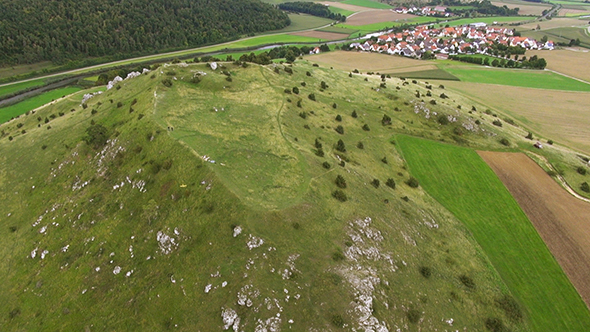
(312, 8)
(38, 30)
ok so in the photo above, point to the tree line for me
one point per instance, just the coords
(484, 7)
(68, 30)
(312, 8)
(533, 62)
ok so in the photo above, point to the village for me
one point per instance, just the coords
(475, 38)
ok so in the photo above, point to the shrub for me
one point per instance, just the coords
(319, 152)
(96, 136)
(338, 118)
(433, 102)
(375, 183)
(334, 106)
(303, 115)
(338, 321)
(340, 130)
(340, 146)
(425, 271)
(477, 122)
(585, 187)
(167, 82)
(295, 90)
(287, 90)
(360, 145)
(386, 120)
(299, 103)
(529, 136)
(288, 70)
(366, 127)
(326, 165)
(505, 141)
(339, 195)
(340, 182)
(170, 73)
(43, 147)
(550, 142)
(311, 96)
(510, 307)
(384, 160)
(317, 144)
(308, 73)
(581, 170)
(390, 183)
(467, 281)
(19, 125)
(413, 182)
(495, 325)
(413, 316)
(497, 123)
(323, 85)
(443, 96)
(354, 115)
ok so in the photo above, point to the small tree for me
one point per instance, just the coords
(339, 195)
(334, 106)
(326, 165)
(585, 187)
(390, 183)
(319, 152)
(366, 127)
(295, 90)
(384, 160)
(340, 146)
(354, 115)
(413, 182)
(311, 96)
(340, 130)
(338, 118)
(529, 136)
(323, 85)
(317, 144)
(340, 182)
(96, 136)
(360, 145)
(581, 170)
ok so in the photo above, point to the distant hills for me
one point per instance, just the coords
(59, 31)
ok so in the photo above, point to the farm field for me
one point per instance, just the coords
(526, 8)
(561, 219)
(563, 35)
(556, 114)
(570, 61)
(6, 113)
(12, 88)
(488, 20)
(302, 22)
(553, 23)
(338, 30)
(373, 27)
(321, 35)
(517, 77)
(346, 7)
(365, 61)
(424, 74)
(377, 16)
(573, 12)
(367, 3)
(462, 182)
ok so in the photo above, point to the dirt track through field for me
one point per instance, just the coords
(562, 220)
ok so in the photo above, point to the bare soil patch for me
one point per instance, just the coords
(525, 9)
(321, 35)
(560, 115)
(376, 16)
(345, 6)
(572, 62)
(562, 220)
(365, 61)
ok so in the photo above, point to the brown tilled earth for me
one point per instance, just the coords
(562, 220)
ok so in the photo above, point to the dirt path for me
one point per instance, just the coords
(561, 220)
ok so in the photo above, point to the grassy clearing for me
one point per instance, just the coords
(518, 77)
(338, 29)
(341, 11)
(367, 3)
(12, 88)
(460, 180)
(6, 113)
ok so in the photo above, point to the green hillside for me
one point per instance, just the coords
(196, 199)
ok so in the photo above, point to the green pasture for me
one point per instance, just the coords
(461, 181)
(341, 11)
(368, 28)
(487, 20)
(434, 74)
(563, 35)
(517, 77)
(15, 87)
(6, 113)
(367, 3)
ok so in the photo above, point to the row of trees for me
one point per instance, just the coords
(312, 8)
(484, 7)
(534, 62)
(289, 53)
(59, 31)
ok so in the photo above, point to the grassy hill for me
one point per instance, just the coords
(192, 199)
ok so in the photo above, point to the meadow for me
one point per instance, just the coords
(6, 113)
(341, 11)
(11, 88)
(563, 35)
(517, 77)
(462, 182)
(367, 3)
(501, 20)
(302, 22)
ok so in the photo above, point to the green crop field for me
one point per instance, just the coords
(367, 3)
(341, 11)
(563, 35)
(487, 20)
(338, 29)
(517, 77)
(435, 74)
(367, 28)
(461, 181)
(6, 113)
(12, 88)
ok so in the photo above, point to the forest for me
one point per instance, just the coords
(312, 8)
(60, 31)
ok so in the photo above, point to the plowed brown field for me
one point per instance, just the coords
(562, 220)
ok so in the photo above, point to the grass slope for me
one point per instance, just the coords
(460, 180)
(6, 113)
(517, 77)
(86, 230)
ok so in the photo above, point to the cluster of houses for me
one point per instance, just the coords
(441, 42)
(438, 11)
